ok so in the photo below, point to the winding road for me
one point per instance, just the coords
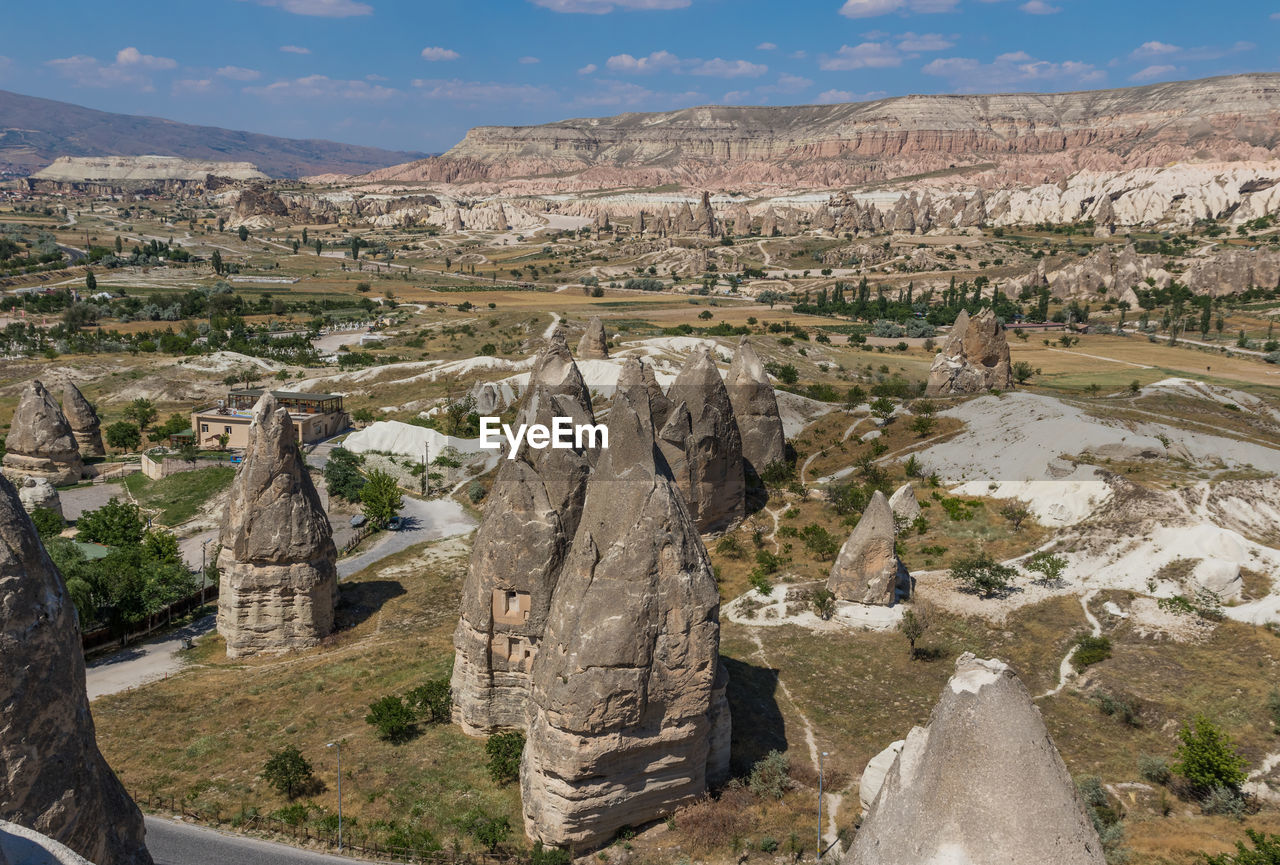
(174, 843)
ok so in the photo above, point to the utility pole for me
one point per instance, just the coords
(338, 745)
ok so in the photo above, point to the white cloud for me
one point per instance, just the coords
(321, 87)
(625, 94)
(133, 57)
(1014, 69)
(718, 68)
(1039, 7)
(868, 55)
(601, 7)
(832, 97)
(1151, 50)
(192, 85)
(653, 62)
(874, 8)
(1157, 71)
(529, 61)
(457, 90)
(766, 46)
(320, 8)
(589, 69)
(919, 41)
(1154, 49)
(239, 73)
(787, 84)
(434, 53)
(798, 55)
(294, 49)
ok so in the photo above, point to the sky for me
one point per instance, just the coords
(417, 74)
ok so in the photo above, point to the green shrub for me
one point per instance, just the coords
(47, 521)
(293, 814)
(770, 777)
(288, 772)
(1090, 650)
(823, 603)
(476, 492)
(504, 751)
(1223, 802)
(432, 702)
(1266, 851)
(982, 575)
(1123, 708)
(768, 845)
(541, 855)
(1208, 758)
(1154, 769)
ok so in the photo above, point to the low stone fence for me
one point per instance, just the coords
(171, 465)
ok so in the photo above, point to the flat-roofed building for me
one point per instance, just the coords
(316, 416)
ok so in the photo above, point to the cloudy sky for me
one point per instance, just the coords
(416, 74)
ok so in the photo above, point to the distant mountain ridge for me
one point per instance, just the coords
(35, 131)
(991, 140)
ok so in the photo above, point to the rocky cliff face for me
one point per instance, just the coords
(279, 572)
(1034, 137)
(703, 445)
(52, 777)
(974, 358)
(83, 419)
(982, 783)
(40, 443)
(628, 714)
(755, 406)
(529, 521)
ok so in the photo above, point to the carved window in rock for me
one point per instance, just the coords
(511, 607)
(517, 652)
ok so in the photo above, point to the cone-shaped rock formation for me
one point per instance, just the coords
(755, 406)
(279, 573)
(52, 777)
(628, 714)
(593, 345)
(83, 419)
(40, 443)
(983, 783)
(703, 446)
(974, 358)
(521, 544)
(867, 570)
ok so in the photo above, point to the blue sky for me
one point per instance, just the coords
(417, 75)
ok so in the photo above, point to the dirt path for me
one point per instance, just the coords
(1100, 357)
(1065, 669)
(773, 536)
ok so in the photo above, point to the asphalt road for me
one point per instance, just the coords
(173, 843)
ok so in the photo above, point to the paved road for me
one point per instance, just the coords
(143, 662)
(173, 843)
(424, 520)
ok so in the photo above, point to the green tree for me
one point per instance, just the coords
(288, 772)
(913, 625)
(47, 521)
(922, 425)
(504, 751)
(115, 524)
(141, 411)
(1266, 851)
(433, 701)
(216, 261)
(882, 408)
(304, 236)
(1048, 566)
(242, 233)
(1022, 372)
(124, 436)
(381, 498)
(342, 475)
(489, 831)
(1208, 758)
(355, 248)
(393, 717)
(982, 575)
(90, 282)
(119, 245)
(319, 245)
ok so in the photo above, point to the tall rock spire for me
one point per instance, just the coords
(628, 718)
(278, 561)
(521, 544)
(83, 419)
(755, 406)
(40, 443)
(52, 776)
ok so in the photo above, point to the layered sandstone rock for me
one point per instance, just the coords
(755, 407)
(39, 493)
(529, 521)
(83, 419)
(703, 445)
(628, 714)
(593, 345)
(982, 783)
(974, 358)
(278, 562)
(867, 570)
(40, 443)
(52, 777)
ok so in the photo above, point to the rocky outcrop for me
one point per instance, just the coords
(279, 573)
(659, 405)
(593, 345)
(974, 358)
(39, 493)
(520, 547)
(22, 846)
(628, 715)
(904, 504)
(40, 443)
(875, 772)
(755, 407)
(83, 419)
(867, 570)
(982, 783)
(703, 445)
(52, 777)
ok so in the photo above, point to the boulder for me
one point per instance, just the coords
(83, 419)
(904, 504)
(52, 776)
(628, 715)
(974, 358)
(867, 570)
(519, 549)
(755, 406)
(593, 345)
(40, 442)
(279, 565)
(703, 446)
(983, 783)
(39, 493)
